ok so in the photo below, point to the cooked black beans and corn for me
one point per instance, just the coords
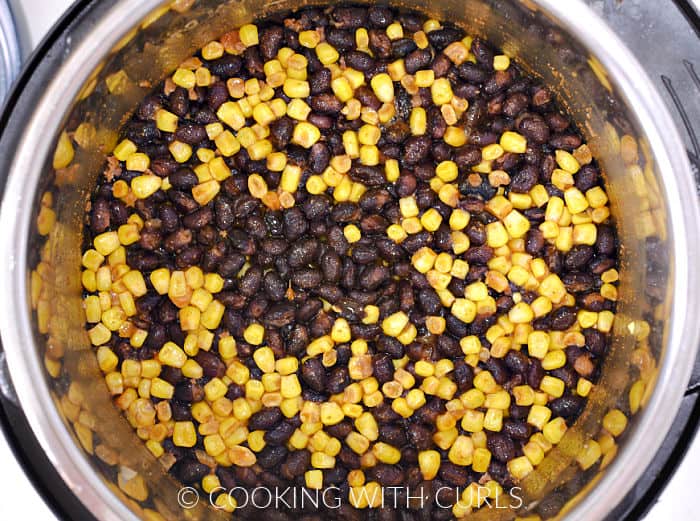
(351, 247)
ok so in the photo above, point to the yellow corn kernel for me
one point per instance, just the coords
(567, 161)
(184, 434)
(441, 91)
(539, 415)
(254, 335)
(585, 233)
(520, 467)
(493, 420)
(447, 171)
(386, 453)
(501, 62)
(455, 136)
(122, 151)
(184, 78)
(554, 360)
(296, 88)
(476, 291)
(473, 421)
(589, 455)
(554, 430)
(424, 78)
(615, 422)
(248, 34)
(367, 426)
(513, 142)
(313, 478)
(64, 153)
(418, 121)
(429, 463)
(326, 53)
(516, 224)
(552, 386)
(309, 39)
(306, 134)
(383, 87)
(394, 324)
(431, 220)
(553, 288)
(290, 386)
(357, 442)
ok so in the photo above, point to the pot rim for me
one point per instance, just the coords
(653, 422)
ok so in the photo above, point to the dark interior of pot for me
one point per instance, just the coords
(155, 47)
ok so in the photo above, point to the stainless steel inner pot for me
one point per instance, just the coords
(594, 76)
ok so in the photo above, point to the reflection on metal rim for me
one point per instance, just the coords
(10, 57)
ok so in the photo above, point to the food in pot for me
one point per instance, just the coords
(351, 247)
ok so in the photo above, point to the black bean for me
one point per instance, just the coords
(297, 463)
(325, 103)
(372, 277)
(250, 282)
(100, 216)
(280, 434)
(226, 67)
(189, 471)
(455, 475)
(563, 318)
(441, 38)
(359, 60)
(417, 60)
(595, 341)
(441, 65)
(364, 253)
(212, 365)
(586, 178)
(402, 47)
(518, 429)
(501, 446)
(379, 43)
(565, 141)
(368, 175)
(416, 149)
(265, 419)
(419, 435)
(524, 179)
(390, 346)
(380, 16)
(568, 406)
(281, 131)
(179, 102)
(191, 134)
(605, 240)
(198, 219)
(188, 391)
(338, 380)
(516, 362)
(349, 17)
(307, 278)
(534, 128)
(343, 40)
(578, 281)
(397, 132)
(271, 456)
(386, 475)
(271, 41)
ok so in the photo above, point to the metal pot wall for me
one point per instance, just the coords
(595, 78)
